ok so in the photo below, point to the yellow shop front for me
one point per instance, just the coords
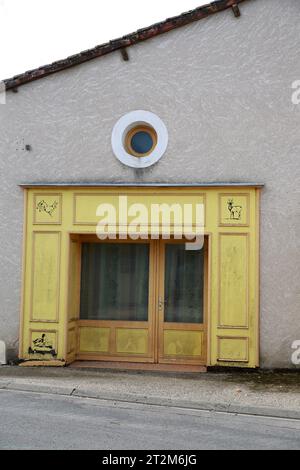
(145, 297)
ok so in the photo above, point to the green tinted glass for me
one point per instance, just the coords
(114, 281)
(184, 277)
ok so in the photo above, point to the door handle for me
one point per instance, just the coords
(161, 303)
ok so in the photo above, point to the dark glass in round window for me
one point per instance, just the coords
(141, 142)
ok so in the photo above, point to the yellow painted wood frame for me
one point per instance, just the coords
(58, 218)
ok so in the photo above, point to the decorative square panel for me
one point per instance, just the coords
(234, 210)
(183, 343)
(233, 349)
(94, 340)
(132, 341)
(43, 343)
(47, 209)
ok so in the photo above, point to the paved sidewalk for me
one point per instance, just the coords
(259, 393)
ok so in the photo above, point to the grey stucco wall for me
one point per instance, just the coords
(223, 88)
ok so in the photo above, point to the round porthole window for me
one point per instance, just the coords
(139, 139)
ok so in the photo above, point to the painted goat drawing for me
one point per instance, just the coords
(44, 207)
(235, 211)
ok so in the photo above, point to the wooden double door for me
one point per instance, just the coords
(143, 301)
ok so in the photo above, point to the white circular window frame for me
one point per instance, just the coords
(125, 124)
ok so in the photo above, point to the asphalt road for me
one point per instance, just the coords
(44, 421)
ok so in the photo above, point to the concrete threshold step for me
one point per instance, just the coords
(137, 366)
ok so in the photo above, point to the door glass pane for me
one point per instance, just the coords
(184, 276)
(114, 281)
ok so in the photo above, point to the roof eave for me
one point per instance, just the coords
(123, 42)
